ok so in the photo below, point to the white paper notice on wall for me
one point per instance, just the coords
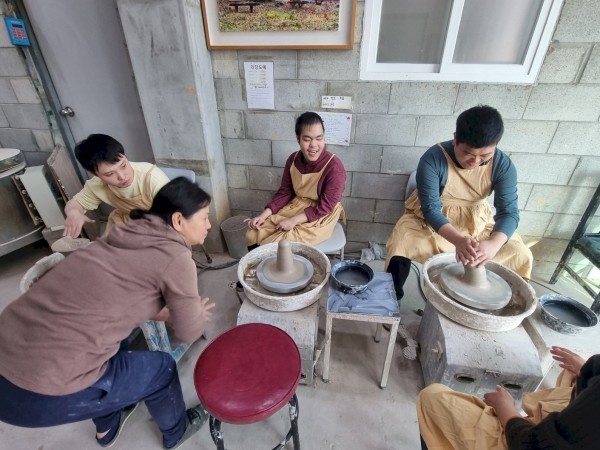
(260, 90)
(336, 102)
(337, 127)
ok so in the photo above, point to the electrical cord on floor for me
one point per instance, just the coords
(203, 266)
(237, 292)
(420, 280)
(206, 255)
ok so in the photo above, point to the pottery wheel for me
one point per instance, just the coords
(477, 288)
(285, 272)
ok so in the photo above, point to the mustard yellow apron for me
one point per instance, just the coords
(454, 420)
(305, 188)
(465, 206)
(123, 206)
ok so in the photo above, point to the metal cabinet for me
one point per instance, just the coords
(20, 225)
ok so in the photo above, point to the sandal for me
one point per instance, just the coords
(112, 435)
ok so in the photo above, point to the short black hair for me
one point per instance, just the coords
(308, 119)
(97, 149)
(178, 195)
(480, 126)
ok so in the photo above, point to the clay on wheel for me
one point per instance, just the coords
(285, 272)
(475, 287)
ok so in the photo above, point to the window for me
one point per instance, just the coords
(501, 41)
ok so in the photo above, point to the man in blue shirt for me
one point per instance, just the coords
(449, 212)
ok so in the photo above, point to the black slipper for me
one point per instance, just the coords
(113, 434)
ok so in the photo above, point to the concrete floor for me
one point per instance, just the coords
(350, 412)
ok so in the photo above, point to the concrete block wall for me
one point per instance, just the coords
(23, 120)
(552, 131)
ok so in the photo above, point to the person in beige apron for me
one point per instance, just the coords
(118, 182)
(307, 205)
(123, 206)
(460, 219)
(454, 420)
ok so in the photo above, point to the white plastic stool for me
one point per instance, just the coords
(174, 172)
(335, 244)
(39, 269)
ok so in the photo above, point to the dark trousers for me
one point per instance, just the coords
(130, 377)
(399, 267)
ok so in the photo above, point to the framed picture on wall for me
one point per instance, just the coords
(279, 24)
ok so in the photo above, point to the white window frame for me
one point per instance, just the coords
(525, 73)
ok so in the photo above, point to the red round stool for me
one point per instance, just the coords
(246, 375)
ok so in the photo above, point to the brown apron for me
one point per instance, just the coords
(123, 206)
(305, 188)
(465, 206)
(454, 420)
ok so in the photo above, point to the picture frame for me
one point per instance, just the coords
(342, 38)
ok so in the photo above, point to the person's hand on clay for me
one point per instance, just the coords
(466, 250)
(567, 359)
(488, 248)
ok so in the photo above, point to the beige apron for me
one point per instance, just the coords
(465, 206)
(453, 420)
(123, 206)
(305, 188)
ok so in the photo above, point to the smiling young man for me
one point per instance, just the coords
(307, 205)
(449, 212)
(122, 184)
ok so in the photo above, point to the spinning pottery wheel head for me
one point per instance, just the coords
(285, 272)
(522, 303)
(475, 287)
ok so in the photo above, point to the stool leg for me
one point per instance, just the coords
(328, 327)
(378, 332)
(215, 433)
(293, 433)
(388, 355)
(294, 412)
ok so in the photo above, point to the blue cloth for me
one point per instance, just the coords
(378, 299)
(130, 377)
(432, 174)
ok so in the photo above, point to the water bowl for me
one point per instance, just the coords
(565, 315)
(351, 276)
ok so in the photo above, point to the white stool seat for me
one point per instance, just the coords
(174, 172)
(335, 244)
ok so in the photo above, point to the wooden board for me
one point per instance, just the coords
(69, 184)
